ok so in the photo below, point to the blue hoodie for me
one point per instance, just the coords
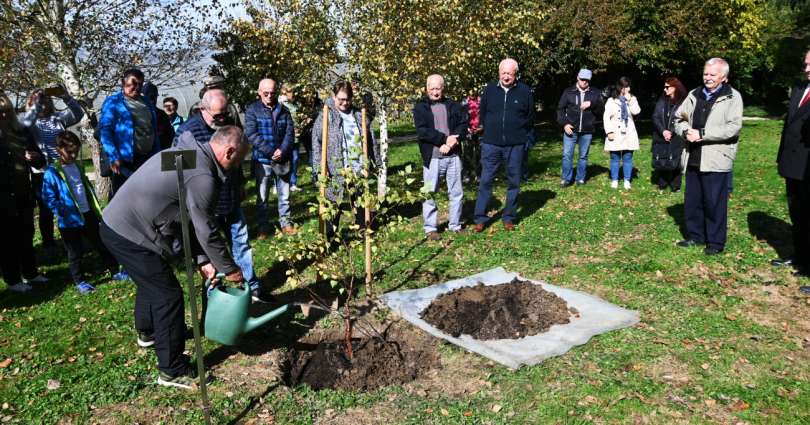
(117, 132)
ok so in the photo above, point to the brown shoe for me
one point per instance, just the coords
(508, 226)
(478, 228)
(434, 236)
(289, 230)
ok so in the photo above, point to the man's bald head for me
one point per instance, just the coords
(435, 87)
(214, 107)
(268, 92)
(507, 72)
(229, 146)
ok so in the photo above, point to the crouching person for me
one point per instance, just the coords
(69, 195)
(141, 227)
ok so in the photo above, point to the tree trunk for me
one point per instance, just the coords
(382, 183)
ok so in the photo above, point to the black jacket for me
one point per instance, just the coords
(428, 136)
(568, 111)
(507, 117)
(794, 149)
(663, 118)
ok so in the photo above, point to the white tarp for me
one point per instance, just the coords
(596, 316)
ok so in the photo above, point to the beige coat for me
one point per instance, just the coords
(625, 137)
(721, 133)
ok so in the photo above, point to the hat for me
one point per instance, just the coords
(585, 74)
(213, 81)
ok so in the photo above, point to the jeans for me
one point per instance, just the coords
(569, 144)
(492, 157)
(264, 176)
(294, 166)
(450, 169)
(626, 157)
(236, 229)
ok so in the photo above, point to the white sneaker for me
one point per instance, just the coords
(627, 185)
(21, 287)
(614, 184)
(37, 280)
(295, 188)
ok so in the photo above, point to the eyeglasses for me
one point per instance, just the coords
(218, 117)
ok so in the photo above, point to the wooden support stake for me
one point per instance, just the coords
(324, 147)
(367, 206)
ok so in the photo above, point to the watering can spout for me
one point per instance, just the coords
(254, 322)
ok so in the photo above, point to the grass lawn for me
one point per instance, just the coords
(722, 339)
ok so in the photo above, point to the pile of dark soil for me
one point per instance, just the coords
(376, 363)
(506, 311)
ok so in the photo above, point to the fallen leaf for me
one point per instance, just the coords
(53, 384)
(710, 402)
(731, 317)
(468, 413)
(444, 412)
(739, 406)
(704, 366)
(588, 400)
(497, 408)
(5, 363)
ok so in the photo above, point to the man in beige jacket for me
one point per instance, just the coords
(709, 120)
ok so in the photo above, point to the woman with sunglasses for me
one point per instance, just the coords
(128, 128)
(667, 145)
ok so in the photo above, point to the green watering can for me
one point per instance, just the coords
(226, 318)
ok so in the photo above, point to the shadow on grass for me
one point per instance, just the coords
(676, 212)
(254, 401)
(531, 201)
(776, 232)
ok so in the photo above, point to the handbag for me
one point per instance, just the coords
(664, 157)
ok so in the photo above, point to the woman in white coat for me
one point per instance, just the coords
(622, 138)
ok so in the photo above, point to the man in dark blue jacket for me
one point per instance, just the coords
(441, 125)
(507, 116)
(269, 129)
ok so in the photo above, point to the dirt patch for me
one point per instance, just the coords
(398, 358)
(506, 311)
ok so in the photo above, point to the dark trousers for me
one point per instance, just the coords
(158, 299)
(492, 157)
(45, 221)
(706, 207)
(669, 178)
(126, 170)
(17, 252)
(798, 196)
(72, 237)
(471, 158)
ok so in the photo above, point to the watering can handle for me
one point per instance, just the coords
(221, 277)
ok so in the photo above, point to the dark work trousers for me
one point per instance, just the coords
(45, 221)
(492, 157)
(669, 178)
(706, 207)
(72, 237)
(798, 196)
(158, 299)
(17, 252)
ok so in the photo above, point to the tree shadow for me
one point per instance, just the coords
(254, 401)
(677, 213)
(774, 231)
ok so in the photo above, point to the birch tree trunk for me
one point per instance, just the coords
(382, 182)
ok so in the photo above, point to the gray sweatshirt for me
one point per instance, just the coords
(146, 210)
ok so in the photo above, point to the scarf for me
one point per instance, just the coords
(625, 111)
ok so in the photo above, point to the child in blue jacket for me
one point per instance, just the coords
(68, 193)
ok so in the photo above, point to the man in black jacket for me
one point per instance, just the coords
(793, 156)
(441, 125)
(576, 113)
(141, 228)
(507, 116)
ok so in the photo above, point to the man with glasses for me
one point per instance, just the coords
(577, 110)
(270, 130)
(213, 115)
(128, 128)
